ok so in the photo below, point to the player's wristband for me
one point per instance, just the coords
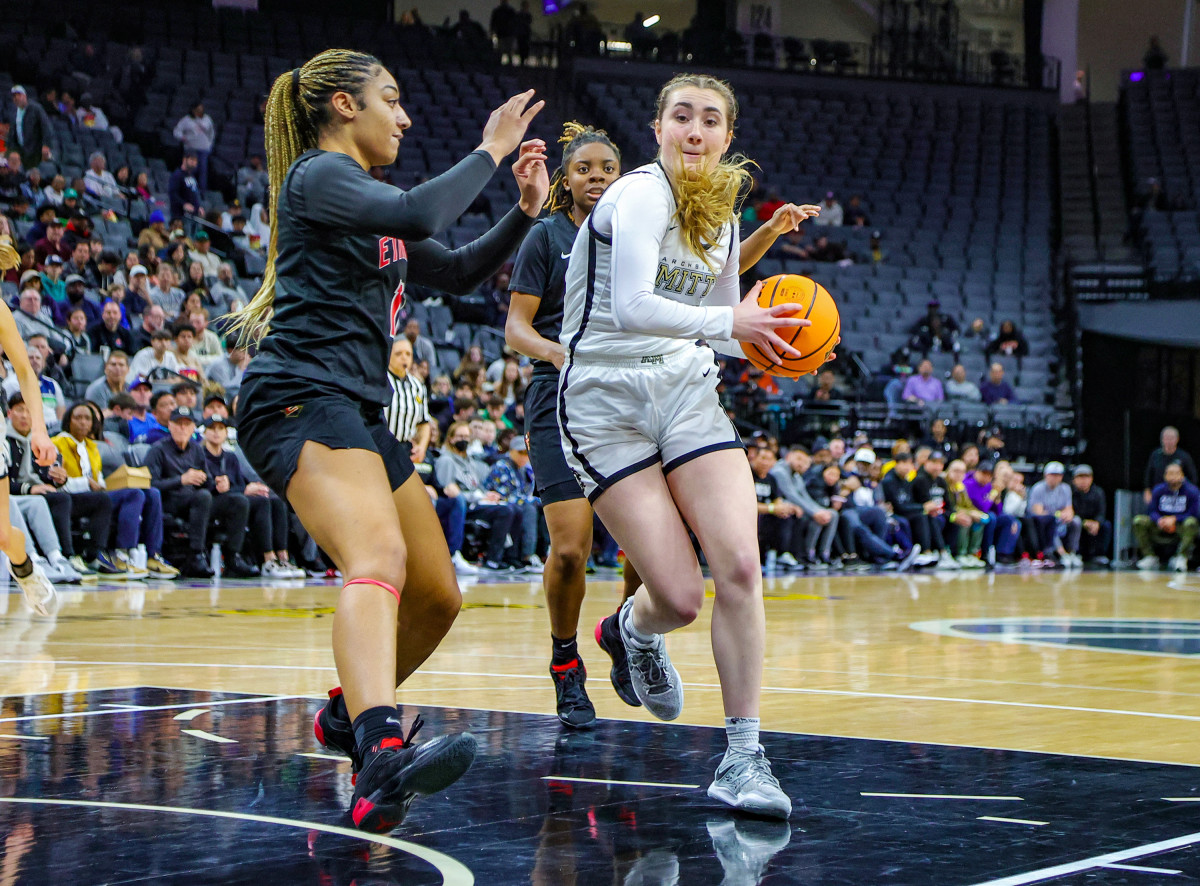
(771, 508)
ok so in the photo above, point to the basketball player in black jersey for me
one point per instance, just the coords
(590, 163)
(311, 421)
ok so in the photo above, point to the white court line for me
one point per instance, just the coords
(640, 784)
(1182, 799)
(1097, 861)
(208, 736)
(1141, 870)
(188, 716)
(1189, 718)
(165, 707)
(326, 757)
(1036, 824)
(454, 872)
(941, 796)
(24, 737)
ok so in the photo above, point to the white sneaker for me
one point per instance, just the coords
(39, 593)
(926, 559)
(966, 561)
(85, 572)
(745, 781)
(655, 681)
(947, 563)
(786, 559)
(1178, 563)
(744, 846)
(62, 566)
(534, 565)
(275, 570)
(1149, 564)
(293, 570)
(461, 564)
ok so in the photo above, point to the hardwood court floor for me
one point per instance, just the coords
(1099, 664)
(162, 734)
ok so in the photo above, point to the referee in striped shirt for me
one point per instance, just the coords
(408, 412)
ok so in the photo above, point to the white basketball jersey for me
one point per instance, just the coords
(647, 209)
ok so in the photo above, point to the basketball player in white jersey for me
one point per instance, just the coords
(655, 268)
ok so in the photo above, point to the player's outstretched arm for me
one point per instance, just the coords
(785, 219)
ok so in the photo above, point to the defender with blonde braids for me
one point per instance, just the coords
(654, 269)
(311, 421)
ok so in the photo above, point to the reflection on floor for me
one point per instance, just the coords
(154, 785)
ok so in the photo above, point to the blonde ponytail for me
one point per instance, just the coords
(298, 107)
(706, 200)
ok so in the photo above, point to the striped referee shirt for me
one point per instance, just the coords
(408, 408)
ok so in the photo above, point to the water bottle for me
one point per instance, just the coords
(214, 560)
(139, 557)
(769, 566)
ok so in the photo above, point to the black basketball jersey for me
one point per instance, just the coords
(541, 270)
(346, 246)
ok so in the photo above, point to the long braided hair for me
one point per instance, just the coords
(298, 108)
(706, 200)
(574, 136)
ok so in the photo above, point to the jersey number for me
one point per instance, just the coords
(397, 305)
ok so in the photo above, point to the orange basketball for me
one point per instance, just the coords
(813, 342)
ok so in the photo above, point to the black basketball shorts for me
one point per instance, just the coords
(552, 477)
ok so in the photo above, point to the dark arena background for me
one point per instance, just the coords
(1010, 228)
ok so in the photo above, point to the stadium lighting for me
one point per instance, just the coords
(652, 21)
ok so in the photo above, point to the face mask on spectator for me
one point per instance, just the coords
(460, 445)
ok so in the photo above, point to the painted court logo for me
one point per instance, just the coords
(1138, 636)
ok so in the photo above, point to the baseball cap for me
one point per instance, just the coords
(517, 444)
(1054, 467)
(986, 465)
(866, 456)
(74, 278)
(1082, 471)
(216, 419)
(70, 193)
(138, 269)
(29, 275)
(819, 444)
(139, 381)
(18, 90)
(54, 260)
(184, 413)
(157, 216)
(201, 235)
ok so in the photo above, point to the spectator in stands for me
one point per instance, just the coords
(423, 349)
(225, 292)
(55, 360)
(512, 478)
(778, 538)
(986, 488)
(923, 388)
(187, 363)
(134, 77)
(1092, 509)
(993, 445)
(253, 181)
(1008, 341)
(102, 390)
(53, 245)
(77, 297)
(186, 393)
(832, 214)
(154, 426)
(154, 234)
(228, 484)
(935, 331)
(139, 419)
(12, 176)
(227, 371)
(89, 116)
(207, 346)
(959, 388)
(98, 181)
(31, 315)
(178, 470)
(153, 319)
(166, 292)
(1156, 467)
(30, 127)
(108, 332)
(994, 389)
(824, 484)
(815, 526)
(826, 389)
(1172, 519)
(931, 492)
(54, 403)
(978, 331)
(157, 356)
(209, 260)
(106, 268)
(80, 263)
(855, 215)
(503, 27)
(176, 256)
(183, 189)
(937, 441)
(523, 31)
(458, 474)
(1052, 510)
(76, 332)
(55, 192)
(966, 525)
(197, 133)
(898, 495)
(826, 250)
(1155, 57)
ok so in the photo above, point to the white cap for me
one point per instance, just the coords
(18, 90)
(138, 269)
(1054, 467)
(866, 456)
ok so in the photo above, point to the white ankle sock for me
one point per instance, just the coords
(742, 733)
(638, 637)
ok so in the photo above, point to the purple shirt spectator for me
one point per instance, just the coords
(928, 390)
(978, 493)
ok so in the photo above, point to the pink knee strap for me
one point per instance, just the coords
(379, 584)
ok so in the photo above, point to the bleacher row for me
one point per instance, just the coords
(959, 190)
(1162, 126)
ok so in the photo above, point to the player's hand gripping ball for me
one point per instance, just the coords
(815, 343)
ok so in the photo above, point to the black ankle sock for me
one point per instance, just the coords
(564, 650)
(375, 724)
(22, 570)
